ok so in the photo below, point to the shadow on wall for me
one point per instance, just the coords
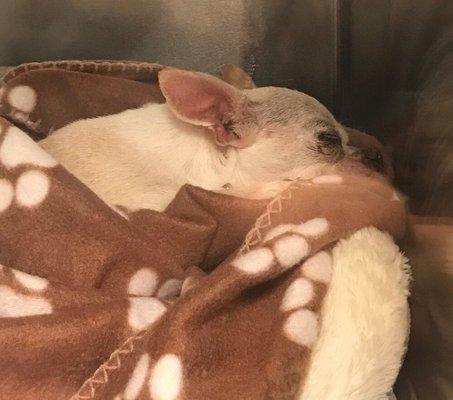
(291, 42)
(416, 117)
(69, 29)
(164, 31)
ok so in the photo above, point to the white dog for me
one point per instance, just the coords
(209, 134)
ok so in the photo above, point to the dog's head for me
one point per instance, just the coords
(277, 132)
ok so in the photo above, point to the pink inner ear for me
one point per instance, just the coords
(198, 98)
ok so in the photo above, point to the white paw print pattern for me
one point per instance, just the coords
(22, 100)
(302, 327)
(298, 294)
(14, 304)
(170, 288)
(6, 194)
(165, 382)
(164, 378)
(290, 248)
(144, 311)
(143, 282)
(319, 267)
(302, 324)
(32, 186)
(137, 380)
(255, 261)
(312, 228)
(30, 282)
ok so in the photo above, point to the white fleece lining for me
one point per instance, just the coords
(364, 321)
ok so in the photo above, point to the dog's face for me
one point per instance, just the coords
(299, 129)
(278, 133)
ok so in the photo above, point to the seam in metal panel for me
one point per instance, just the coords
(335, 18)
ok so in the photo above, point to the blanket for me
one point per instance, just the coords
(216, 298)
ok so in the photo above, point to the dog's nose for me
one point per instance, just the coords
(372, 157)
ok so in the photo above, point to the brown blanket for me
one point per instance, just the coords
(217, 298)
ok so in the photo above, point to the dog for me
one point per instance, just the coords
(224, 135)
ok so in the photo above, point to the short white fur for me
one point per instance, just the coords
(140, 158)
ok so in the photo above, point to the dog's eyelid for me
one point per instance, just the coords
(328, 135)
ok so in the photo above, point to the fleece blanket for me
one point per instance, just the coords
(216, 298)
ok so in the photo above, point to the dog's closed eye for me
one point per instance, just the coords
(329, 142)
(329, 138)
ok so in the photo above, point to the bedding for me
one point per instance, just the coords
(216, 298)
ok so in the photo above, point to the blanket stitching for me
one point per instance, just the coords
(100, 376)
(252, 238)
(81, 66)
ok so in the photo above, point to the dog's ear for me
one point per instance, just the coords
(237, 77)
(202, 99)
